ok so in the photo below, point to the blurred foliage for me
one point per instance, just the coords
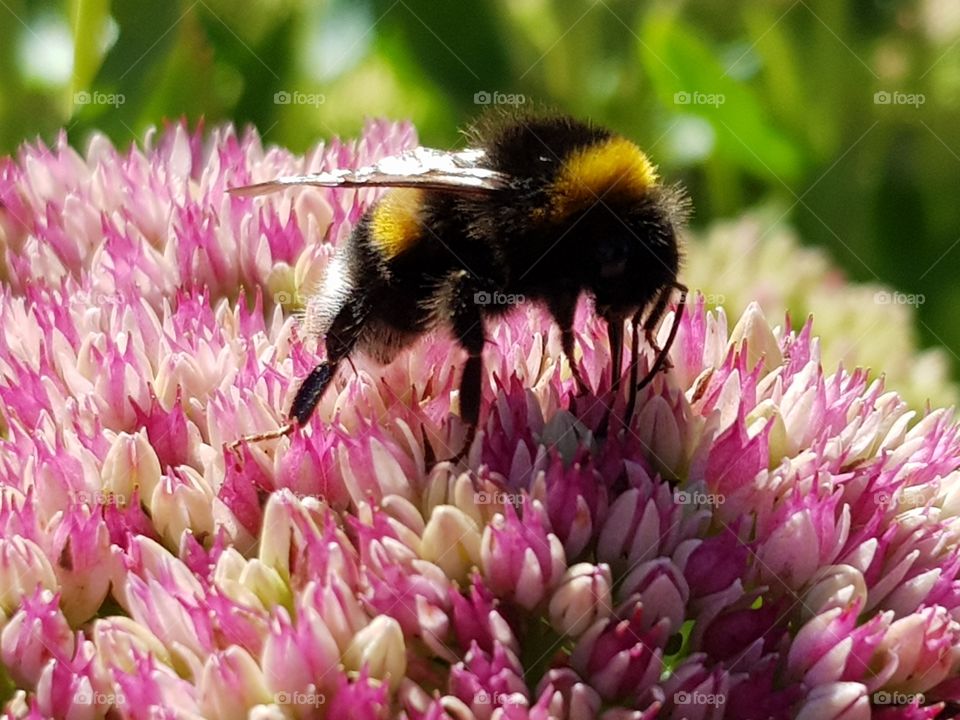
(748, 103)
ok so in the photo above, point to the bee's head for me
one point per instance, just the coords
(607, 194)
(634, 250)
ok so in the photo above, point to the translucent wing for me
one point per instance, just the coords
(462, 172)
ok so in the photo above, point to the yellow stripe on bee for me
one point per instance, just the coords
(397, 222)
(614, 167)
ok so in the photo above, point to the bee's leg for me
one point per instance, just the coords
(562, 309)
(650, 325)
(470, 391)
(615, 340)
(460, 298)
(654, 317)
(310, 392)
(634, 363)
(340, 341)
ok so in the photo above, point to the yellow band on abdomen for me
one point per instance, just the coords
(397, 222)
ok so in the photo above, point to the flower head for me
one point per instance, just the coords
(769, 535)
(755, 258)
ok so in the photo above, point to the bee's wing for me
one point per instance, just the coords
(463, 172)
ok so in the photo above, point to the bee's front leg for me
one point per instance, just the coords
(341, 338)
(615, 340)
(661, 359)
(562, 307)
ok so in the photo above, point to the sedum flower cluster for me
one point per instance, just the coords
(769, 537)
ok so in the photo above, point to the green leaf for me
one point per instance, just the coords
(88, 23)
(147, 34)
(459, 50)
(688, 78)
(131, 72)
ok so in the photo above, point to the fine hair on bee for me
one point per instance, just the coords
(539, 206)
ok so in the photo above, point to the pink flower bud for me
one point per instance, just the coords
(836, 701)
(576, 501)
(299, 661)
(835, 586)
(520, 558)
(379, 649)
(927, 647)
(478, 620)
(582, 597)
(692, 691)
(831, 647)
(24, 570)
(37, 632)
(567, 696)
(231, 684)
(451, 540)
(486, 682)
(662, 590)
(85, 563)
(618, 658)
(130, 464)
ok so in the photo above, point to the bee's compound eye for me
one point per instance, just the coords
(613, 257)
(611, 270)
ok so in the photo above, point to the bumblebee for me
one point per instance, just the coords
(539, 208)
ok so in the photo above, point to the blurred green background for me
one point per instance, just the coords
(840, 115)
